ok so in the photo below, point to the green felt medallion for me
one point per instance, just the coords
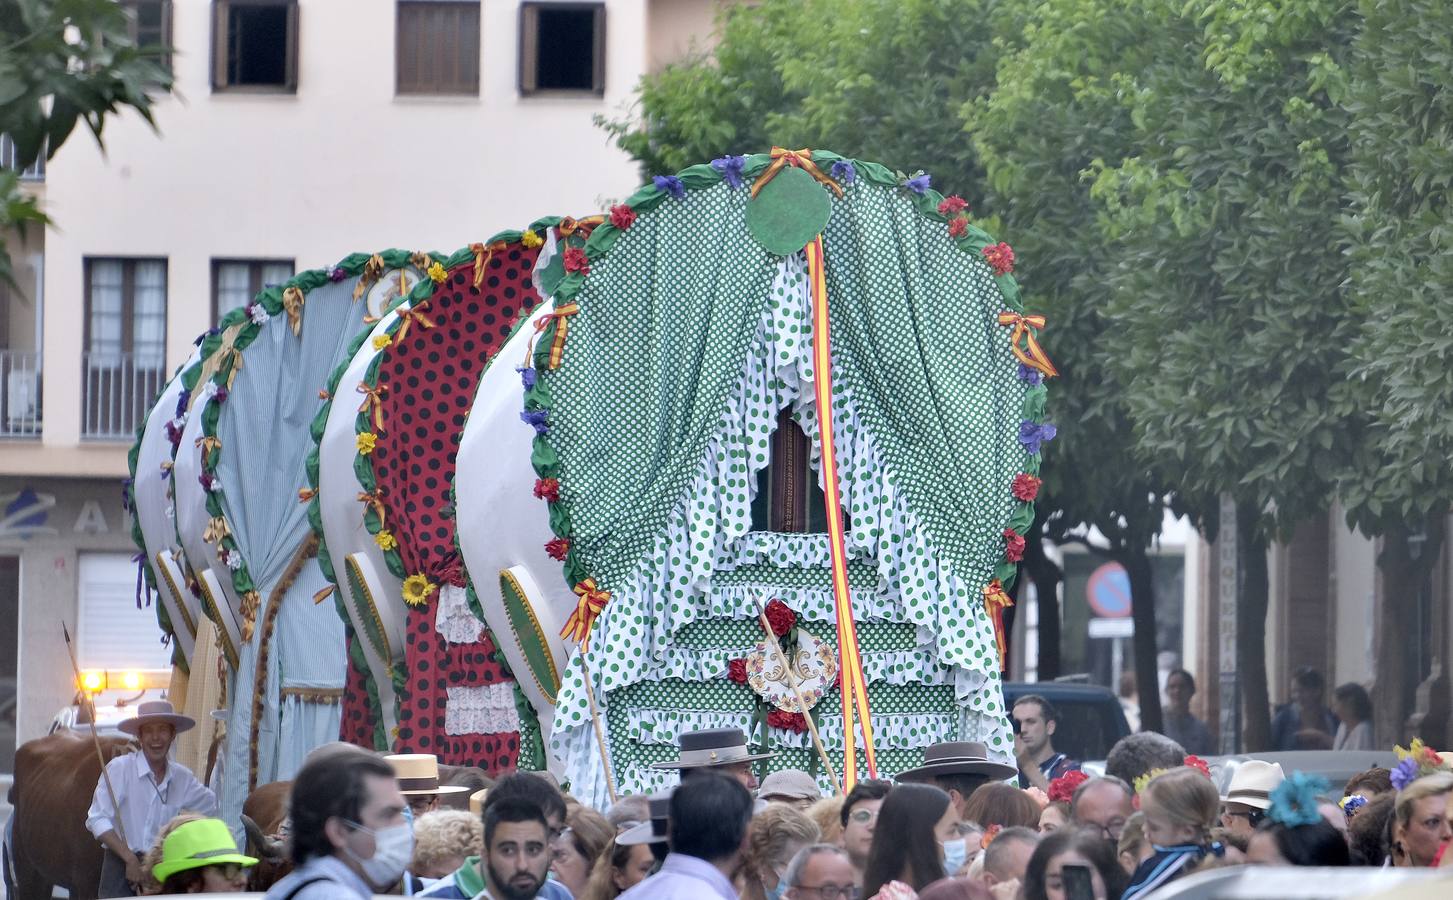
(789, 212)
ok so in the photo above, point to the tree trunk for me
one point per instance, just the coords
(1142, 605)
(1404, 566)
(1251, 631)
(1046, 577)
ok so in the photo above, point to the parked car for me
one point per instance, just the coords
(1334, 765)
(1090, 717)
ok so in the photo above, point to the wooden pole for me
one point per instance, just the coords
(610, 782)
(95, 736)
(837, 786)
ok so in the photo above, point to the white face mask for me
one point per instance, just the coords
(393, 848)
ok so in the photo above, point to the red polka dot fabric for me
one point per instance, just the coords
(357, 722)
(431, 376)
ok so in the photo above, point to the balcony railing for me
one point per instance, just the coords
(19, 394)
(34, 172)
(118, 389)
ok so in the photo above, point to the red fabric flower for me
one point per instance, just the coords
(1025, 487)
(737, 671)
(787, 721)
(957, 227)
(951, 206)
(1195, 762)
(1000, 257)
(557, 548)
(780, 617)
(1062, 789)
(1013, 545)
(622, 216)
(548, 489)
(576, 261)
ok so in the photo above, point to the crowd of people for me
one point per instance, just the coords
(960, 825)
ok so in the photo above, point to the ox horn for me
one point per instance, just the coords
(259, 844)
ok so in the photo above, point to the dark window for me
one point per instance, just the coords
(562, 48)
(438, 47)
(125, 339)
(151, 27)
(789, 498)
(255, 44)
(236, 281)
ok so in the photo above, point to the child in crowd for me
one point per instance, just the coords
(1180, 809)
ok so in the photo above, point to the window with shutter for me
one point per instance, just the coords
(437, 47)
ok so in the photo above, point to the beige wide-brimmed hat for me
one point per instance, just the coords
(958, 758)
(1252, 783)
(712, 747)
(418, 775)
(156, 711)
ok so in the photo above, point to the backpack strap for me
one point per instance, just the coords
(300, 885)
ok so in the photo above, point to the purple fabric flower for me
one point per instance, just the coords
(843, 171)
(671, 185)
(126, 494)
(1405, 773)
(220, 396)
(527, 376)
(182, 400)
(918, 183)
(1030, 375)
(730, 168)
(1032, 434)
(336, 274)
(536, 417)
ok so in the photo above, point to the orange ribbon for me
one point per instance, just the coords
(293, 304)
(585, 226)
(324, 594)
(996, 600)
(1032, 354)
(208, 443)
(306, 494)
(800, 159)
(482, 256)
(230, 355)
(372, 270)
(421, 261)
(560, 314)
(592, 601)
(373, 500)
(216, 530)
(373, 404)
(411, 316)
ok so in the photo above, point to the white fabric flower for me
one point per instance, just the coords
(232, 559)
(258, 314)
(209, 390)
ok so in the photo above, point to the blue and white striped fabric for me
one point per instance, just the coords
(1168, 864)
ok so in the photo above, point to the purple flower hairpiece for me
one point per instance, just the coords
(1404, 773)
(843, 171)
(730, 168)
(1030, 375)
(1032, 434)
(919, 183)
(536, 417)
(336, 274)
(527, 376)
(671, 185)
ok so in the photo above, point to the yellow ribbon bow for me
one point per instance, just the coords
(411, 316)
(208, 443)
(560, 314)
(1032, 354)
(373, 403)
(482, 255)
(996, 600)
(569, 226)
(231, 357)
(293, 305)
(372, 270)
(421, 261)
(801, 159)
(373, 500)
(592, 601)
(216, 530)
(250, 602)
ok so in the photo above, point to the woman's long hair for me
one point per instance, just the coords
(1099, 852)
(904, 845)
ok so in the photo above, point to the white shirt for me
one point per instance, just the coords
(683, 877)
(146, 806)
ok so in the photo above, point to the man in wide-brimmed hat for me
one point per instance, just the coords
(721, 751)
(958, 768)
(1248, 796)
(418, 777)
(149, 789)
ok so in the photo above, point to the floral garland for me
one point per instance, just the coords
(736, 172)
(1190, 762)
(1416, 761)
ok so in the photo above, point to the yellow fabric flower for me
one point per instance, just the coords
(365, 442)
(385, 540)
(530, 239)
(417, 589)
(437, 273)
(381, 341)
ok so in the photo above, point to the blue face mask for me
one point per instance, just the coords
(409, 815)
(777, 892)
(955, 854)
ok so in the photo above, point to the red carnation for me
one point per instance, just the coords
(622, 216)
(576, 261)
(1025, 487)
(737, 671)
(957, 227)
(548, 489)
(953, 205)
(1062, 789)
(1013, 545)
(1195, 762)
(787, 721)
(557, 548)
(780, 617)
(1000, 257)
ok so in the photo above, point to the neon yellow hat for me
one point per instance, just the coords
(203, 842)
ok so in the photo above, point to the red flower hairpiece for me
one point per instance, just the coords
(1062, 789)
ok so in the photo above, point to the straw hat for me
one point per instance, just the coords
(199, 843)
(958, 758)
(476, 801)
(156, 711)
(1252, 783)
(418, 775)
(712, 747)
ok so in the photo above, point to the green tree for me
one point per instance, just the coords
(63, 62)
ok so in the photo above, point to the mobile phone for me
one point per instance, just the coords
(1078, 885)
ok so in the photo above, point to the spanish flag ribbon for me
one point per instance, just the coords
(850, 660)
(293, 304)
(592, 601)
(372, 271)
(373, 403)
(482, 255)
(413, 315)
(585, 226)
(561, 316)
(996, 600)
(373, 500)
(1032, 354)
(216, 530)
(801, 159)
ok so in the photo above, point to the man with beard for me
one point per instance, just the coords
(516, 851)
(517, 788)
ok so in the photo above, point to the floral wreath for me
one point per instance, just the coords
(1416, 761)
(1190, 762)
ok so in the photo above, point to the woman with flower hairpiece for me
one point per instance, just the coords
(1420, 826)
(1295, 833)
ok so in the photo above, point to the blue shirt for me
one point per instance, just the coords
(683, 877)
(331, 880)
